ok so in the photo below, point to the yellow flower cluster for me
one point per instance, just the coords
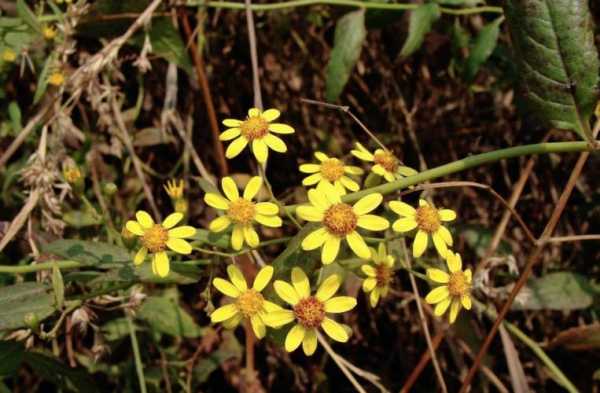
(175, 191)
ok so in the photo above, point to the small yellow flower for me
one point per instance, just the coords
(428, 220)
(9, 55)
(455, 290)
(339, 221)
(56, 78)
(332, 171)
(249, 302)
(72, 174)
(386, 165)
(175, 188)
(380, 273)
(310, 311)
(156, 238)
(242, 212)
(48, 32)
(256, 129)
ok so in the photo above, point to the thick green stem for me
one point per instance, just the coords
(39, 266)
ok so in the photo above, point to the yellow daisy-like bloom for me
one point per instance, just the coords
(310, 311)
(156, 238)
(455, 290)
(249, 302)
(332, 171)
(256, 129)
(242, 212)
(339, 221)
(9, 55)
(49, 32)
(380, 273)
(71, 174)
(386, 165)
(428, 220)
(56, 79)
(174, 188)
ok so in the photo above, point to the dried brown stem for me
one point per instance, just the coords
(425, 357)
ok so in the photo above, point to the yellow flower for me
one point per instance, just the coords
(156, 238)
(56, 78)
(242, 212)
(380, 273)
(174, 188)
(332, 171)
(428, 220)
(249, 303)
(455, 290)
(310, 312)
(386, 165)
(48, 32)
(339, 221)
(71, 174)
(9, 55)
(258, 129)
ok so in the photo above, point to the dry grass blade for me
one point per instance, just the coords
(515, 367)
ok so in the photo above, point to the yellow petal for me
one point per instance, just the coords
(332, 195)
(404, 224)
(251, 236)
(374, 297)
(465, 300)
(182, 232)
(312, 179)
(260, 150)
(321, 156)
(437, 295)
(258, 326)
(367, 204)
(436, 275)
(406, 171)
(318, 200)
(420, 243)
(144, 219)
(286, 292)
(262, 278)
(269, 221)
(134, 227)
(161, 264)
(180, 246)
(334, 330)
(368, 284)
(140, 256)
(237, 237)
(230, 189)
(232, 123)
(309, 213)
(328, 288)
(270, 306)
(454, 309)
(339, 188)
(314, 239)
(310, 168)
(172, 220)
(445, 234)
(223, 313)
(226, 288)
(353, 170)
(275, 143)
(219, 224)
(270, 114)
(340, 304)
(441, 307)
(309, 344)
(454, 262)
(253, 187)
(379, 170)
(278, 318)
(349, 184)
(447, 214)
(358, 245)
(232, 322)
(362, 153)
(402, 209)
(236, 147)
(330, 250)
(294, 338)
(281, 128)
(216, 201)
(468, 275)
(440, 244)
(389, 177)
(300, 282)
(230, 134)
(372, 222)
(423, 202)
(267, 208)
(237, 278)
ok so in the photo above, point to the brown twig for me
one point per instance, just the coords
(425, 357)
(336, 358)
(573, 238)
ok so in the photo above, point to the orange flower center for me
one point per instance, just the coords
(340, 219)
(310, 312)
(458, 284)
(383, 275)
(250, 302)
(428, 218)
(155, 238)
(332, 169)
(388, 161)
(241, 211)
(254, 127)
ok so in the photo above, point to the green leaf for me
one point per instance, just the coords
(116, 329)
(11, 355)
(350, 34)
(81, 218)
(421, 20)
(479, 238)
(166, 316)
(216, 239)
(554, 47)
(580, 338)
(59, 287)
(27, 15)
(50, 369)
(24, 301)
(555, 291)
(14, 113)
(484, 45)
(88, 252)
(42, 82)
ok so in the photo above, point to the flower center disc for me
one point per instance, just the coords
(241, 211)
(383, 275)
(340, 219)
(310, 312)
(428, 219)
(332, 169)
(254, 127)
(250, 302)
(458, 285)
(155, 238)
(387, 160)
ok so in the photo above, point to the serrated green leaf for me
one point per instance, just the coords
(11, 355)
(350, 34)
(166, 316)
(555, 291)
(88, 252)
(484, 45)
(23, 300)
(421, 21)
(554, 47)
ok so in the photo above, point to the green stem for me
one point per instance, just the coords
(466, 163)
(39, 266)
(139, 366)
